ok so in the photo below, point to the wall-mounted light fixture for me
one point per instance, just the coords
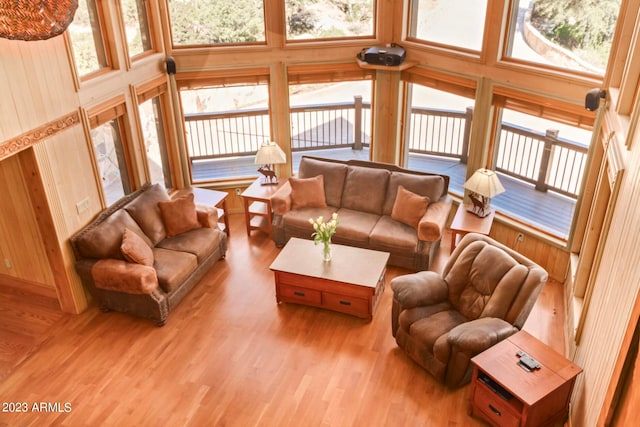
(592, 98)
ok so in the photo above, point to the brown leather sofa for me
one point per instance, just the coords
(145, 252)
(380, 206)
(484, 295)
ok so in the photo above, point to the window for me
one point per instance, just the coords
(109, 150)
(312, 19)
(330, 120)
(136, 26)
(455, 23)
(563, 33)
(155, 145)
(85, 32)
(437, 133)
(216, 22)
(541, 164)
(224, 126)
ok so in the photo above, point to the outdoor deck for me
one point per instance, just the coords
(548, 211)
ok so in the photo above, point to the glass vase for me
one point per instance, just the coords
(326, 251)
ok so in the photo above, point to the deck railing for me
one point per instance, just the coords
(545, 160)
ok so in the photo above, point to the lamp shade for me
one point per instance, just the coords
(484, 182)
(270, 154)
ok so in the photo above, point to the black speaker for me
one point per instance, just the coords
(171, 65)
(592, 99)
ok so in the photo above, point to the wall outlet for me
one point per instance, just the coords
(82, 205)
(520, 237)
(8, 263)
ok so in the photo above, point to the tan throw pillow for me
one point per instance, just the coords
(409, 207)
(179, 215)
(307, 192)
(135, 249)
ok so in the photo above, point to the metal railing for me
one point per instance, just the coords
(545, 160)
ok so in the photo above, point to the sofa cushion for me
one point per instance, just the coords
(173, 267)
(120, 276)
(145, 211)
(200, 242)
(390, 235)
(430, 186)
(307, 192)
(365, 189)
(334, 175)
(355, 227)
(297, 221)
(135, 249)
(409, 207)
(179, 215)
(104, 240)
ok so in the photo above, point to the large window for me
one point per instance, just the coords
(331, 120)
(216, 22)
(136, 26)
(437, 133)
(87, 41)
(568, 34)
(541, 164)
(155, 144)
(319, 19)
(455, 23)
(109, 150)
(224, 126)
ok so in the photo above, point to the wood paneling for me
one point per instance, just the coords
(21, 250)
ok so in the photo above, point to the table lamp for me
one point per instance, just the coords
(483, 185)
(269, 154)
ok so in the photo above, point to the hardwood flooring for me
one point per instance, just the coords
(230, 356)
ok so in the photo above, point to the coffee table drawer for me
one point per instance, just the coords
(346, 304)
(296, 293)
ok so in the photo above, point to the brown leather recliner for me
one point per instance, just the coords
(484, 295)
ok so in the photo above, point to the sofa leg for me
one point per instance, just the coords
(161, 322)
(104, 309)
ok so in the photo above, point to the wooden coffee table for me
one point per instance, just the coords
(352, 282)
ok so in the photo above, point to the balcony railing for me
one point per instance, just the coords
(545, 160)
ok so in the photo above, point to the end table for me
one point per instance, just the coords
(505, 394)
(257, 205)
(466, 222)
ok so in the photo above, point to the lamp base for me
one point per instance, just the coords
(266, 181)
(481, 212)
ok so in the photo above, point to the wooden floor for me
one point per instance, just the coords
(230, 356)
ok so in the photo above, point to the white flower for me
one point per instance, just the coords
(334, 216)
(310, 220)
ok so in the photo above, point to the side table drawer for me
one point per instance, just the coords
(345, 304)
(495, 409)
(294, 293)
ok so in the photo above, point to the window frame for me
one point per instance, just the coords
(130, 59)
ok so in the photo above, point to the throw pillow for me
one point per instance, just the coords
(135, 249)
(307, 192)
(409, 207)
(179, 215)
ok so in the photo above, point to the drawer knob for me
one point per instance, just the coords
(494, 410)
(345, 302)
(298, 293)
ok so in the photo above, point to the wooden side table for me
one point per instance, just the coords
(505, 394)
(257, 205)
(213, 198)
(465, 222)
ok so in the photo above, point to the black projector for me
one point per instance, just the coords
(378, 55)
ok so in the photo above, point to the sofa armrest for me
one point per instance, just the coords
(207, 216)
(433, 222)
(476, 336)
(122, 276)
(417, 289)
(281, 199)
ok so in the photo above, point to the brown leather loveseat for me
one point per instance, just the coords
(484, 295)
(380, 206)
(145, 252)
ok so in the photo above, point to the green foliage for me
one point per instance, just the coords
(300, 20)
(219, 21)
(576, 24)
